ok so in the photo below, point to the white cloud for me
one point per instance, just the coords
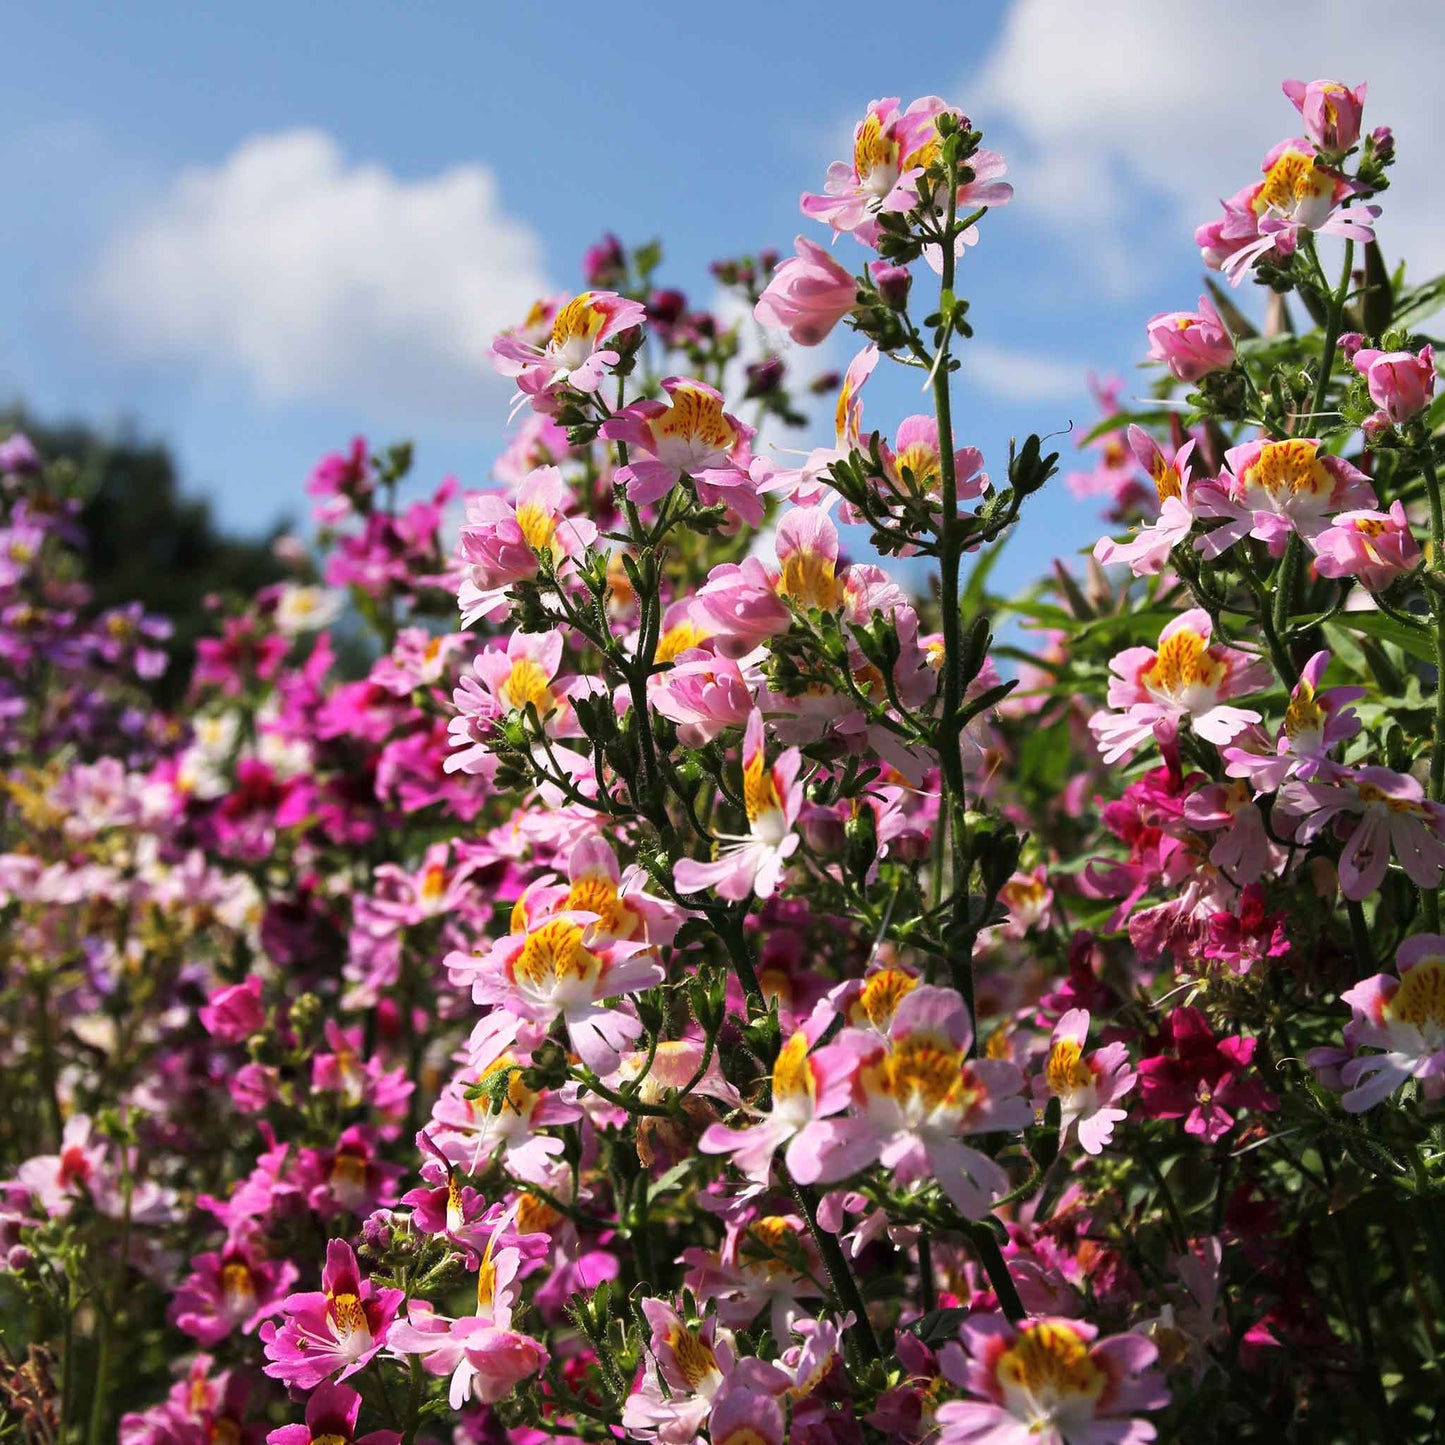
(1183, 99)
(323, 280)
(1021, 375)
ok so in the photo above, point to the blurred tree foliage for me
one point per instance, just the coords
(148, 542)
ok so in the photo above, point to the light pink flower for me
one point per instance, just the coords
(1403, 1017)
(1375, 547)
(1191, 343)
(1149, 550)
(891, 150)
(1048, 1381)
(1273, 488)
(575, 352)
(502, 542)
(689, 434)
(916, 1094)
(1185, 679)
(703, 693)
(754, 864)
(808, 295)
(1401, 383)
(1331, 112)
(1087, 1086)
(1392, 814)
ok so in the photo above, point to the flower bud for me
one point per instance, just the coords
(1401, 383)
(808, 295)
(893, 283)
(1191, 343)
(1331, 112)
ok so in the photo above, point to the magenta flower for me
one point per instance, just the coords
(1048, 1381)
(807, 295)
(338, 1328)
(1087, 1086)
(1184, 679)
(1401, 383)
(331, 1415)
(233, 1014)
(1191, 343)
(233, 1289)
(1200, 1078)
(1375, 547)
(1331, 112)
(1403, 1017)
(1391, 814)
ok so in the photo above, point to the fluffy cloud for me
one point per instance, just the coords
(1181, 100)
(1021, 375)
(324, 281)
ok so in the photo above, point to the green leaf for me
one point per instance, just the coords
(1416, 642)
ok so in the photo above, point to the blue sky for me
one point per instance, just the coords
(255, 231)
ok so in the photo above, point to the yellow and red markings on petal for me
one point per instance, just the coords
(555, 952)
(873, 147)
(1304, 714)
(1166, 480)
(696, 415)
(349, 1171)
(578, 319)
(433, 884)
(1291, 180)
(1050, 1359)
(346, 1314)
(1066, 1070)
(238, 1288)
(695, 1360)
(535, 1215)
(808, 579)
(1289, 469)
(881, 994)
(923, 1068)
(1420, 999)
(1183, 660)
(792, 1072)
(760, 793)
(528, 683)
(922, 462)
(597, 893)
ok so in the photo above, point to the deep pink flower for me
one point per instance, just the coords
(233, 1014)
(331, 1413)
(233, 1289)
(1200, 1078)
(338, 1328)
(1375, 547)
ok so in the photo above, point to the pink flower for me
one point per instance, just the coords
(417, 660)
(1200, 1078)
(1147, 553)
(1087, 1086)
(1392, 814)
(331, 1413)
(575, 353)
(703, 693)
(891, 150)
(755, 863)
(502, 542)
(1403, 1017)
(1030, 902)
(1315, 723)
(233, 1014)
(1401, 382)
(1048, 1381)
(1375, 547)
(1273, 488)
(338, 1328)
(690, 434)
(1191, 343)
(1243, 849)
(1185, 679)
(916, 1093)
(808, 295)
(808, 1084)
(1298, 193)
(1331, 112)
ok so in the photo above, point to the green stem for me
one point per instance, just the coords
(996, 1267)
(1431, 896)
(850, 1297)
